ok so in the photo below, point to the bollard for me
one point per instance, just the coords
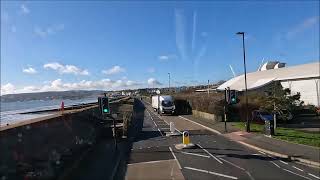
(186, 144)
(173, 131)
(185, 138)
(172, 128)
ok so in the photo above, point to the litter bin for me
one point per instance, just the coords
(268, 124)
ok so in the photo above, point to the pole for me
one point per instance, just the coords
(169, 80)
(225, 118)
(158, 103)
(274, 108)
(224, 109)
(208, 88)
(245, 81)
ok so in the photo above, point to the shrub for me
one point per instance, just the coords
(212, 103)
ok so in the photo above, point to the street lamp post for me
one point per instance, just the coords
(245, 80)
(208, 88)
(169, 81)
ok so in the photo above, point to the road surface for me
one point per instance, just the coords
(215, 156)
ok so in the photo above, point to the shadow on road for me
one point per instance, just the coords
(134, 132)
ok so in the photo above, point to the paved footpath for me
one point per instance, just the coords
(153, 155)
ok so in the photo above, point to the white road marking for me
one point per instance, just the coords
(275, 164)
(297, 168)
(165, 122)
(194, 154)
(283, 162)
(296, 174)
(160, 132)
(155, 124)
(250, 176)
(210, 154)
(232, 164)
(169, 124)
(175, 157)
(210, 172)
(314, 176)
(256, 154)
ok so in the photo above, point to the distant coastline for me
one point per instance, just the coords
(51, 95)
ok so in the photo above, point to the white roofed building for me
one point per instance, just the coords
(303, 78)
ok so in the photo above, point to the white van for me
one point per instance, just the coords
(165, 103)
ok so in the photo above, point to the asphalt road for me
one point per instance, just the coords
(214, 157)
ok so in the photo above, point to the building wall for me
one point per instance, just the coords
(309, 89)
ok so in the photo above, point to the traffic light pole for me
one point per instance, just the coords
(114, 131)
(226, 95)
(225, 118)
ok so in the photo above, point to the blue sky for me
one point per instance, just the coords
(120, 45)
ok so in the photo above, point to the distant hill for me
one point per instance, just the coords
(50, 95)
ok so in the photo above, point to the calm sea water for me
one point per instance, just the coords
(10, 111)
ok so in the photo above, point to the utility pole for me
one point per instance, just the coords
(169, 81)
(245, 81)
(208, 87)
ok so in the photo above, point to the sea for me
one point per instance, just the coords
(10, 112)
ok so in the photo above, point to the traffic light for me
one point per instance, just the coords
(231, 96)
(104, 105)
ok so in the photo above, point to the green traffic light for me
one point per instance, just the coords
(105, 110)
(233, 100)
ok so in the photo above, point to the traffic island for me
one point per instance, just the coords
(186, 144)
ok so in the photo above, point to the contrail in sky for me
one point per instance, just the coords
(180, 22)
(194, 30)
(234, 74)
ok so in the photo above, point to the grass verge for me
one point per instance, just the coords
(290, 135)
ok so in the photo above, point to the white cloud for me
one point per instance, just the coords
(29, 70)
(153, 81)
(164, 58)
(7, 89)
(66, 69)
(306, 24)
(114, 70)
(59, 85)
(24, 9)
(50, 30)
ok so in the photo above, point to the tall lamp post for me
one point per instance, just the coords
(245, 80)
(169, 81)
